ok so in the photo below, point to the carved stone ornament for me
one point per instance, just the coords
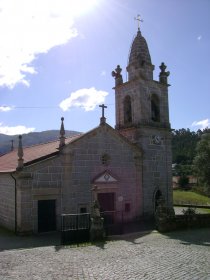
(156, 139)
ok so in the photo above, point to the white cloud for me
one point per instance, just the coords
(15, 130)
(199, 37)
(202, 124)
(88, 98)
(5, 108)
(31, 27)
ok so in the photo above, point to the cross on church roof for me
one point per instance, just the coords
(138, 19)
(103, 119)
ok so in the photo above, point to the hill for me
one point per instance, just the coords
(30, 139)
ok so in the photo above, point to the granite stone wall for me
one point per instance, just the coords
(40, 181)
(7, 203)
(69, 177)
(83, 163)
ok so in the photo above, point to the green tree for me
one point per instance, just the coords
(202, 162)
(183, 145)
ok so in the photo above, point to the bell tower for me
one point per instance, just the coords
(142, 115)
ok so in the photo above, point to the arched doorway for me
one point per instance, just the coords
(157, 196)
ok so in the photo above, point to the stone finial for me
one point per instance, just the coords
(12, 145)
(20, 154)
(62, 134)
(163, 76)
(117, 75)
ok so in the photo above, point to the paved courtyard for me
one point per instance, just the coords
(177, 255)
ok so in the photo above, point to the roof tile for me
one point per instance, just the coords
(8, 162)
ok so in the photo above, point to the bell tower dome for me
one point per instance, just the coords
(139, 62)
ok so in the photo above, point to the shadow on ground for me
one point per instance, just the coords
(133, 231)
(10, 241)
(191, 236)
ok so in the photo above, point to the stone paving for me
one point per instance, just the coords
(177, 255)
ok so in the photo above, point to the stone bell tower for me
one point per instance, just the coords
(142, 115)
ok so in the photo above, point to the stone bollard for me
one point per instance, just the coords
(97, 232)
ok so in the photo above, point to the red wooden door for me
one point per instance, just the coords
(106, 201)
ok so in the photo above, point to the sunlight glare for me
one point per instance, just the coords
(79, 7)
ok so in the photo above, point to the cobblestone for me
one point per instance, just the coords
(177, 255)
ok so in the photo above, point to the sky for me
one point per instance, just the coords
(56, 59)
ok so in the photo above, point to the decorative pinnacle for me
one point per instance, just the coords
(117, 75)
(163, 74)
(138, 19)
(20, 148)
(62, 130)
(62, 133)
(20, 154)
(12, 145)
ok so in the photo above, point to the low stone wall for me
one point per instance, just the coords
(192, 221)
(204, 206)
(183, 222)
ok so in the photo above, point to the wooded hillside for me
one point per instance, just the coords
(30, 139)
(184, 144)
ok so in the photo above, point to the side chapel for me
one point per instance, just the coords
(130, 164)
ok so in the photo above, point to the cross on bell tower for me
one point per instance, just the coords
(103, 119)
(138, 19)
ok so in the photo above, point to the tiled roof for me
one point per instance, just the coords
(8, 162)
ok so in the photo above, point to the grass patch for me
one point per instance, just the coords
(189, 197)
(207, 211)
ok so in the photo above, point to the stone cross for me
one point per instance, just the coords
(138, 19)
(103, 107)
(103, 119)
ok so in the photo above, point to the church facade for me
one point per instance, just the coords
(129, 166)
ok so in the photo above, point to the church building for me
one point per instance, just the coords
(128, 166)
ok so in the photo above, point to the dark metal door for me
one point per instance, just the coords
(75, 228)
(46, 215)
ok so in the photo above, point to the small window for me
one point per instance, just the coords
(127, 110)
(83, 210)
(105, 159)
(127, 207)
(155, 108)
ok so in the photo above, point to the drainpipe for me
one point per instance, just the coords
(15, 202)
